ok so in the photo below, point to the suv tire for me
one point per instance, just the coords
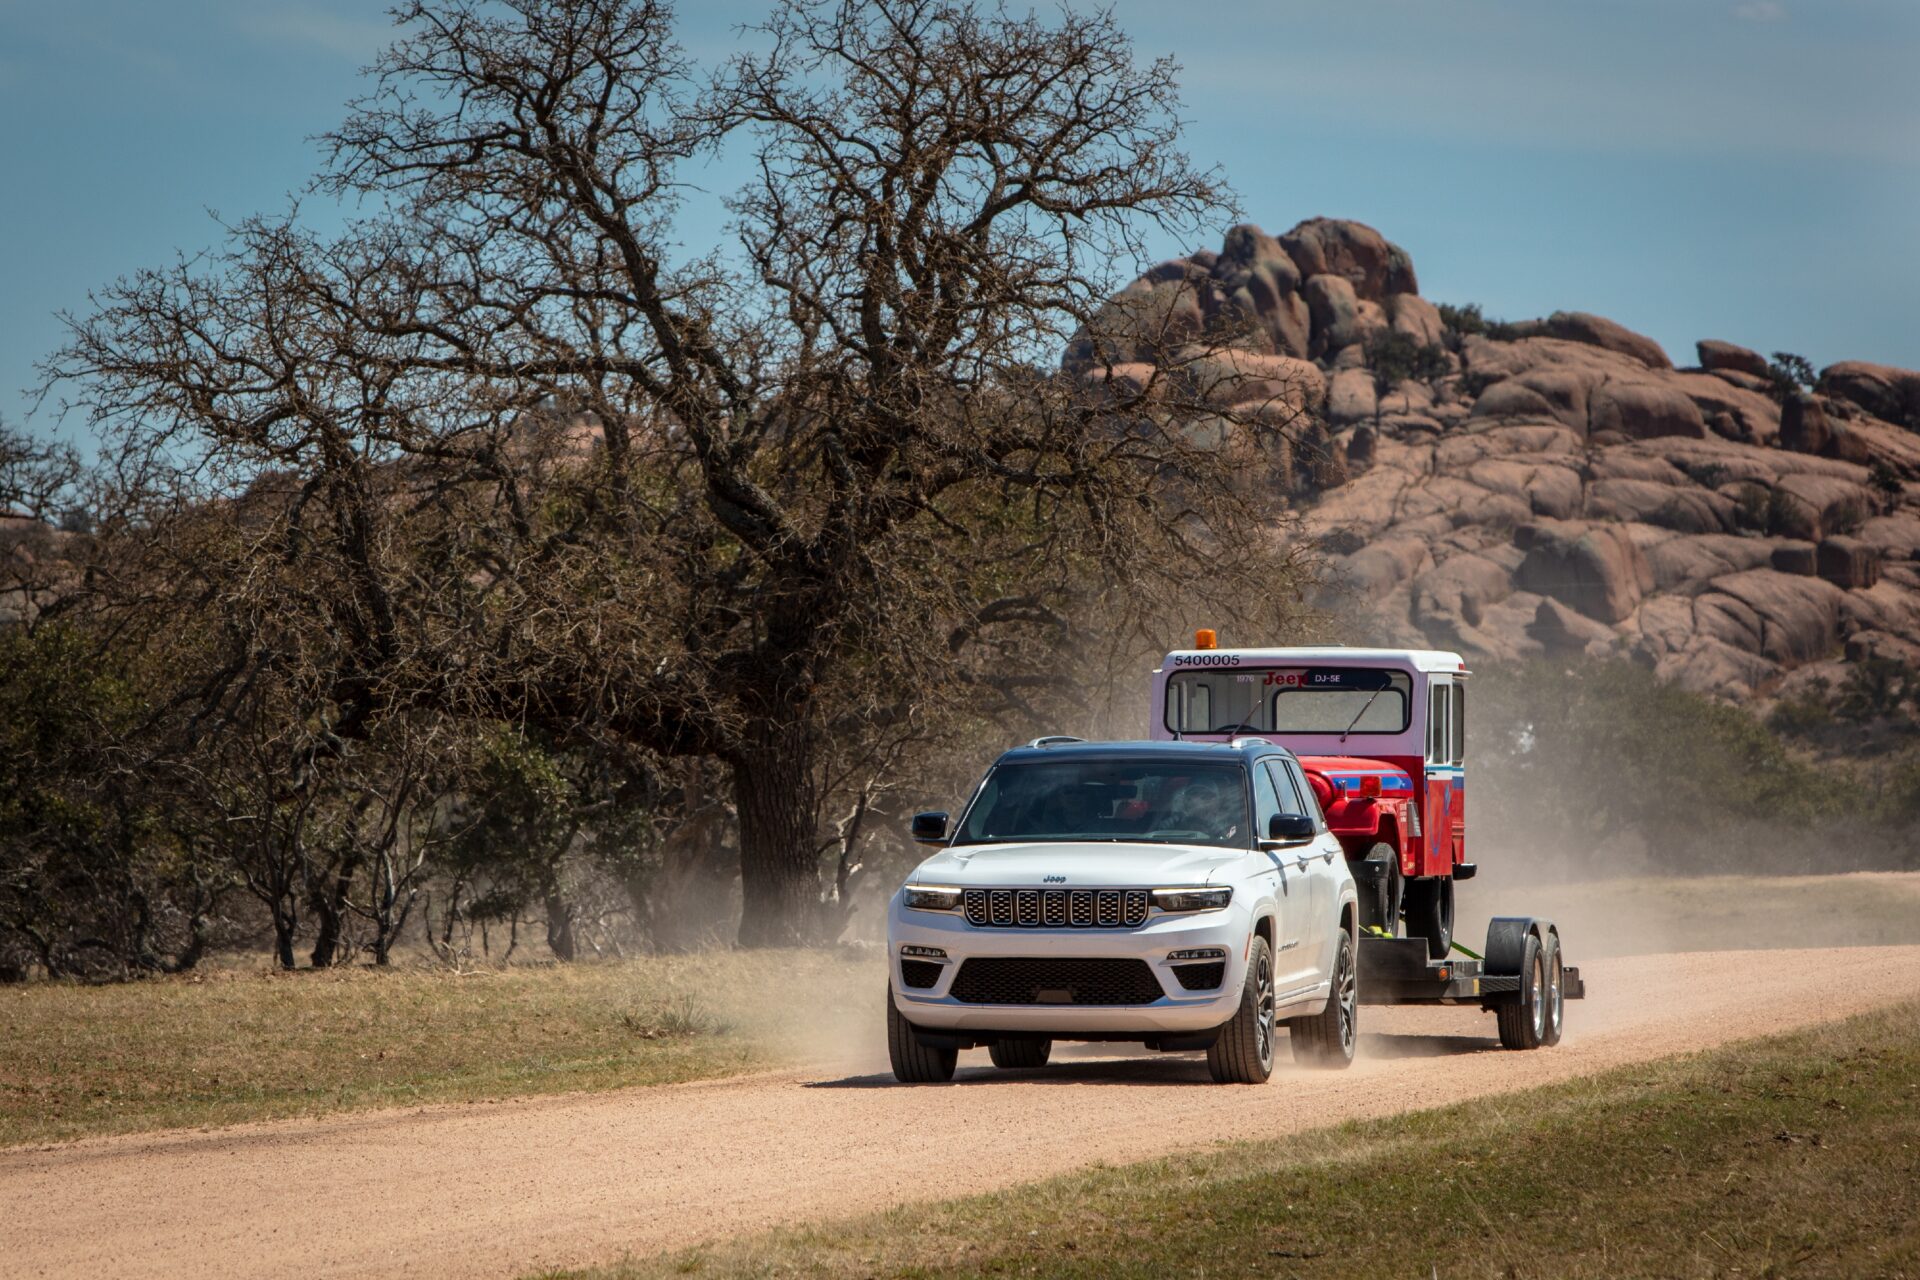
(1243, 1053)
(1020, 1053)
(1328, 1038)
(913, 1062)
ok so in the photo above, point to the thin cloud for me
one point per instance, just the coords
(1760, 11)
(318, 29)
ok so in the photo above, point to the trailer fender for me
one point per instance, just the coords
(1507, 942)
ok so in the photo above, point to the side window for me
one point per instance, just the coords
(1283, 786)
(1308, 805)
(1267, 801)
(1459, 723)
(1438, 700)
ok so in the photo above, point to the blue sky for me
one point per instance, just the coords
(1741, 169)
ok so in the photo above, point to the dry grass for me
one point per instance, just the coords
(1797, 1156)
(1656, 914)
(245, 1044)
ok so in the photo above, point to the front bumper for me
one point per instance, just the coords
(1177, 1012)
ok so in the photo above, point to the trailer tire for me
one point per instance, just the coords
(1556, 992)
(1523, 1019)
(1020, 1053)
(1243, 1051)
(913, 1062)
(1327, 1039)
(1429, 911)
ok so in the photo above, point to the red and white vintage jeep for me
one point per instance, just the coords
(1381, 734)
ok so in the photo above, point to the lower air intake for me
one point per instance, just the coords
(1019, 980)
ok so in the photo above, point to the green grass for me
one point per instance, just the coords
(225, 1047)
(1793, 1156)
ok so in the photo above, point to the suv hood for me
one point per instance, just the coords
(1072, 865)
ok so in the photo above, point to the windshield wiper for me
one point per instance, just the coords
(1363, 710)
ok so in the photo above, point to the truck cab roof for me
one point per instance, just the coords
(1424, 660)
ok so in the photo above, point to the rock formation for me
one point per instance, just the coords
(1562, 486)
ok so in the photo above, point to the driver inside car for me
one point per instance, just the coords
(1207, 806)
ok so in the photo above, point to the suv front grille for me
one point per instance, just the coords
(1056, 908)
(1016, 980)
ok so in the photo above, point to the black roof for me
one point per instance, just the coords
(1221, 751)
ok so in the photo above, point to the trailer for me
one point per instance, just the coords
(1381, 735)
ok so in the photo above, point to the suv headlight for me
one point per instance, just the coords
(932, 897)
(1192, 899)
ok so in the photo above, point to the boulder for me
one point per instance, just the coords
(1716, 355)
(1598, 331)
(1459, 589)
(1365, 258)
(1796, 558)
(1596, 569)
(1351, 397)
(1419, 319)
(1559, 629)
(1687, 509)
(1142, 322)
(1822, 504)
(1885, 391)
(1260, 280)
(1335, 309)
(1512, 399)
(1247, 377)
(1804, 426)
(1849, 563)
(1643, 410)
(1787, 619)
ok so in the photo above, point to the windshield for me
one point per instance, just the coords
(1155, 801)
(1329, 700)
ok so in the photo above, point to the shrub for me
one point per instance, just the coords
(1884, 480)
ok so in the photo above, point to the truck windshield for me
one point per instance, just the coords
(1154, 801)
(1325, 700)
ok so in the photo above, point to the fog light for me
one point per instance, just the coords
(924, 953)
(1199, 953)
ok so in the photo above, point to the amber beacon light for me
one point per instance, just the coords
(1205, 638)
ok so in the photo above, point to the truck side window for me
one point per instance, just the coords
(1459, 722)
(1438, 700)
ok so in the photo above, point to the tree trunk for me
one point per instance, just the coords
(559, 926)
(773, 790)
(283, 927)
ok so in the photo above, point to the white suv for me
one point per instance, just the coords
(1182, 895)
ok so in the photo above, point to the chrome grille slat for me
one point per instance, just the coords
(1056, 908)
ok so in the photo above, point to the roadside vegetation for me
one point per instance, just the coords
(1796, 1155)
(225, 1045)
(1597, 769)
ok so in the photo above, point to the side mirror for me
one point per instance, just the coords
(930, 828)
(1290, 828)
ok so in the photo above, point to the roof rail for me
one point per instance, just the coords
(1245, 742)
(1054, 740)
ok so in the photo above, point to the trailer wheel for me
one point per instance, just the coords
(1382, 910)
(1243, 1052)
(1429, 909)
(1020, 1053)
(1556, 992)
(913, 1062)
(1523, 1019)
(1327, 1039)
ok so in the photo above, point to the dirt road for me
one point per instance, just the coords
(501, 1189)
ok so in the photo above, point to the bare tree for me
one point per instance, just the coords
(529, 460)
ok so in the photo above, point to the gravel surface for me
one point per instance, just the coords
(500, 1189)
